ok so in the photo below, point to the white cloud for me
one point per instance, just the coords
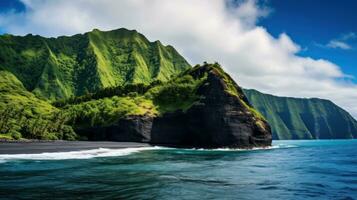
(201, 30)
(248, 11)
(338, 44)
(342, 41)
(348, 36)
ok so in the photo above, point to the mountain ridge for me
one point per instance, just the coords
(74, 65)
(303, 118)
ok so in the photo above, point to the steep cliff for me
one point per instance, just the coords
(298, 118)
(212, 113)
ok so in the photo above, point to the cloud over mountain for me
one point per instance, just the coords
(201, 30)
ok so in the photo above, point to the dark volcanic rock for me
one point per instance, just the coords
(131, 129)
(222, 117)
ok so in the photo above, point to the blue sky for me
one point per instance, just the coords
(298, 48)
(313, 24)
(7, 5)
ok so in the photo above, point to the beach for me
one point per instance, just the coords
(35, 147)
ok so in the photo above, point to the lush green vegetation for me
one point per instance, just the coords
(121, 90)
(294, 118)
(116, 103)
(15, 124)
(176, 94)
(50, 87)
(22, 115)
(64, 67)
(106, 111)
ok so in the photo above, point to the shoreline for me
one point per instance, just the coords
(52, 146)
(35, 147)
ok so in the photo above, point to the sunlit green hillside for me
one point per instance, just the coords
(70, 66)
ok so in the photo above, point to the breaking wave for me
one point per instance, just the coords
(106, 152)
(275, 146)
(82, 154)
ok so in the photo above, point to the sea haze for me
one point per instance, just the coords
(320, 169)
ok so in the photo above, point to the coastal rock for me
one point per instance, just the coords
(130, 129)
(222, 117)
(219, 119)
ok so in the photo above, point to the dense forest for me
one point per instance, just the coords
(100, 108)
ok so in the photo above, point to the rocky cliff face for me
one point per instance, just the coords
(222, 117)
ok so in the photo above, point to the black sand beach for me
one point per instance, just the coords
(61, 146)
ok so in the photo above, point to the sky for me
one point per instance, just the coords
(297, 48)
(313, 24)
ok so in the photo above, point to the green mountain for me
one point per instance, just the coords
(106, 106)
(51, 87)
(298, 118)
(35, 70)
(23, 115)
(70, 66)
(200, 107)
(191, 102)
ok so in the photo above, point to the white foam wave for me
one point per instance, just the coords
(83, 154)
(277, 146)
(105, 152)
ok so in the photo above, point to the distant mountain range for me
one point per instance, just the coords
(52, 87)
(300, 118)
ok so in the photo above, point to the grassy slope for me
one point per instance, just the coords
(70, 66)
(18, 106)
(294, 118)
(13, 93)
(176, 94)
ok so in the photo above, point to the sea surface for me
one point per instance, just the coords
(322, 169)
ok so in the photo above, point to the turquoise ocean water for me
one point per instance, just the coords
(325, 169)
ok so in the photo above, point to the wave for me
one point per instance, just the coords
(276, 146)
(82, 154)
(106, 152)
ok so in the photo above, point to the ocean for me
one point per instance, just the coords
(314, 169)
